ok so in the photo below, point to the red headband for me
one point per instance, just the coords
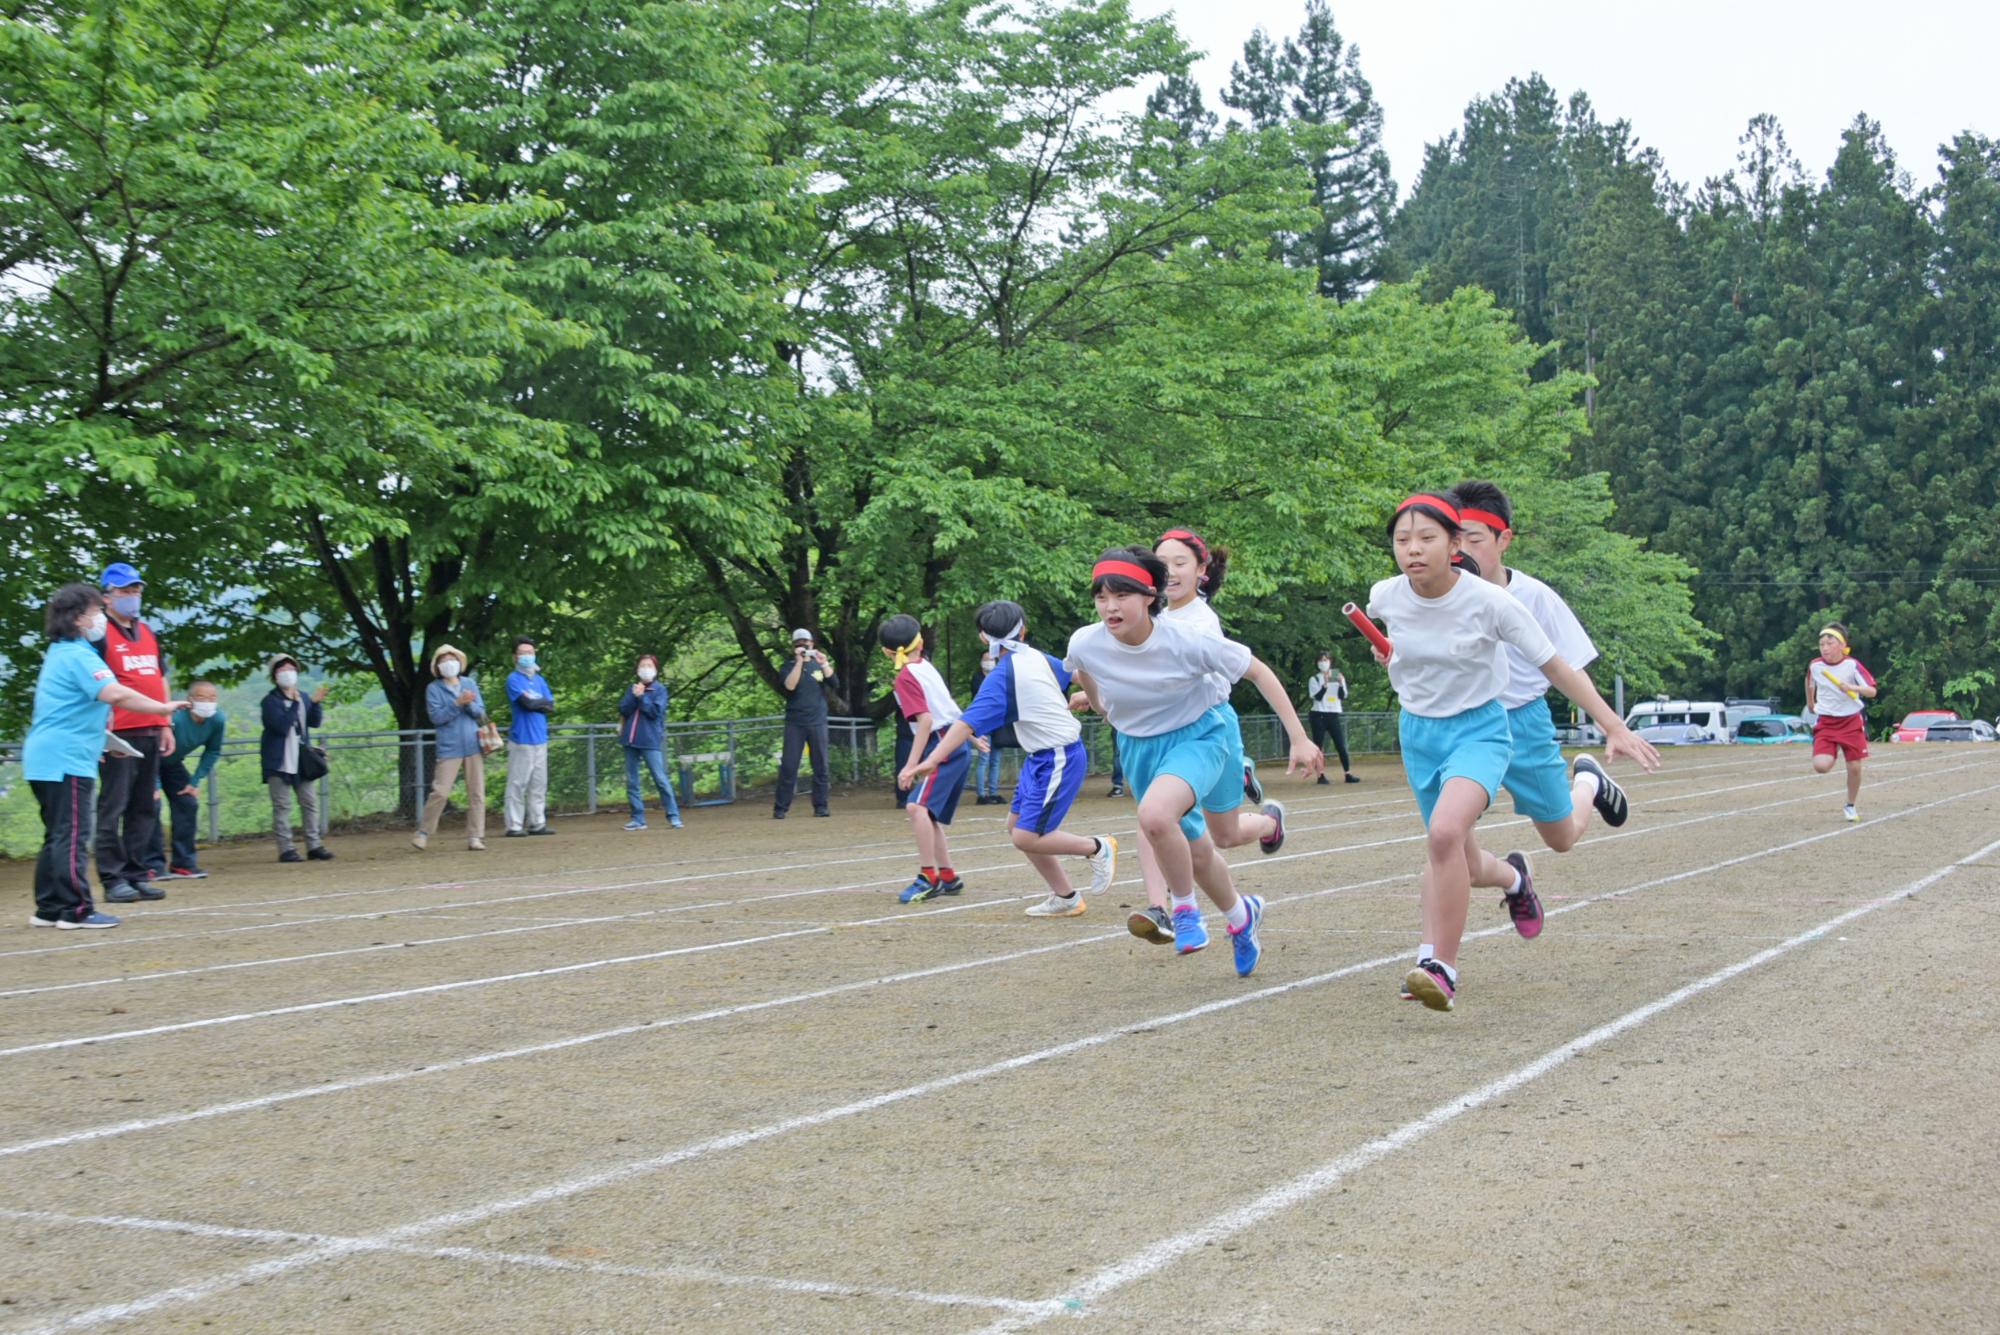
(1127, 569)
(1182, 535)
(1442, 506)
(1486, 517)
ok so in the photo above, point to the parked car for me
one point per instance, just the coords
(1674, 734)
(1962, 730)
(1773, 729)
(1707, 716)
(1914, 726)
(1579, 734)
(1737, 708)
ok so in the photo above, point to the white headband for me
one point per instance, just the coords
(1011, 642)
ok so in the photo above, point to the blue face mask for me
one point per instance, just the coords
(525, 660)
(126, 605)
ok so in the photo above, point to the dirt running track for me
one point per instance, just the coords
(717, 1079)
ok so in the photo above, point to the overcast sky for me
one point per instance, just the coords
(1688, 76)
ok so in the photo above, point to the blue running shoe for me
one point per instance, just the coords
(1248, 947)
(1189, 934)
(917, 891)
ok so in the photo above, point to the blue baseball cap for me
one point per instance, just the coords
(117, 575)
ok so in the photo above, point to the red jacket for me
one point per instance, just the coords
(135, 660)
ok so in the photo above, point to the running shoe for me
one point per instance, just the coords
(122, 892)
(1117, 790)
(1850, 813)
(635, 825)
(1523, 907)
(1610, 800)
(1276, 839)
(1103, 865)
(320, 854)
(1244, 939)
(66, 924)
(917, 891)
(186, 874)
(147, 890)
(1151, 924)
(1252, 789)
(1189, 934)
(952, 887)
(1056, 906)
(1429, 984)
(1353, 778)
(674, 822)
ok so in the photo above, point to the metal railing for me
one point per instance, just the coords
(375, 774)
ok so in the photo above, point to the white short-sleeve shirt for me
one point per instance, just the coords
(1164, 683)
(1525, 682)
(1450, 651)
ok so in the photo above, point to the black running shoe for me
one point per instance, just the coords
(1610, 800)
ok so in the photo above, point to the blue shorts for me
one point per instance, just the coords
(937, 792)
(1538, 777)
(1228, 712)
(1047, 786)
(1206, 755)
(1475, 745)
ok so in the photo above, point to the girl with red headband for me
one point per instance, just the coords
(1448, 629)
(1159, 684)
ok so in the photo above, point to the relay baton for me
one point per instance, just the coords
(1840, 685)
(1369, 629)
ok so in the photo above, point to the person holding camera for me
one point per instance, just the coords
(805, 685)
(292, 765)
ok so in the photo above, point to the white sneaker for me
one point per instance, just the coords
(1849, 812)
(420, 841)
(1103, 865)
(1055, 906)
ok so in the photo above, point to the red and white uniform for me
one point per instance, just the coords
(1839, 728)
(135, 660)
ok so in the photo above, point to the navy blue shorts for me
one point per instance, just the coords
(937, 792)
(1047, 787)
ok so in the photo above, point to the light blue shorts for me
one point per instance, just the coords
(1205, 755)
(1475, 745)
(1538, 777)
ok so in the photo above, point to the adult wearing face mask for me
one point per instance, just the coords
(456, 710)
(1328, 689)
(197, 741)
(74, 696)
(128, 812)
(289, 718)
(531, 701)
(642, 730)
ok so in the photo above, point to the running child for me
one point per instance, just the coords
(1159, 684)
(1557, 798)
(927, 703)
(1027, 690)
(1836, 684)
(1448, 628)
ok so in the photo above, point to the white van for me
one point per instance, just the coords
(1679, 722)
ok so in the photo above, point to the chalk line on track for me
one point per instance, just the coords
(338, 1248)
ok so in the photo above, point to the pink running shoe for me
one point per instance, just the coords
(1430, 984)
(1524, 908)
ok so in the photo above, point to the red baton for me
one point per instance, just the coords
(1369, 628)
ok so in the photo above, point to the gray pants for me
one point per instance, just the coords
(527, 786)
(282, 787)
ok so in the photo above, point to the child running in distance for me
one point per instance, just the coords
(928, 705)
(1556, 798)
(1836, 684)
(1027, 690)
(1448, 628)
(1159, 685)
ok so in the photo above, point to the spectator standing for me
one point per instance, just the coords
(198, 737)
(986, 767)
(531, 701)
(128, 808)
(456, 710)
(74, 698)
(1327, 688)
(805, 684)
(289, 718)
(642, 729)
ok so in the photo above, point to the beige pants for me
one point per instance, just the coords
(443, 780)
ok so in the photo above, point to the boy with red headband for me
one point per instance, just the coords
(1836, 684)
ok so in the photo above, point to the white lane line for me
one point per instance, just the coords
(470, 1215)
(1330, 1174)
(680, 1274)
(99, 942)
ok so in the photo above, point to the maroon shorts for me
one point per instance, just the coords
(1840, 733)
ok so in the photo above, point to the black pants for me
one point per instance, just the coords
(186, 812)
(798, 735)
(128, 812)
(62, 872)
(1325, 725)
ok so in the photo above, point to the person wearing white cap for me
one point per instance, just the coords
(805, 684)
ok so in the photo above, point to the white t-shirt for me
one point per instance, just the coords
(1165, 683)
(1196, 615)
(1525, 682)
(1449, 651)
(1326, 690)
(1829, 700)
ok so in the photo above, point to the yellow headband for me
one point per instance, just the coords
(1836, 635)
(903, 654)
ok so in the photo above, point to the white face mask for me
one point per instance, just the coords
(648, 672)
(287, 678)
(1325, 666)
(448, 669)
(203, 709)
(93, 629)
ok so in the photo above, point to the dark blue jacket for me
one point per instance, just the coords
(280, 717)
(644, 717)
